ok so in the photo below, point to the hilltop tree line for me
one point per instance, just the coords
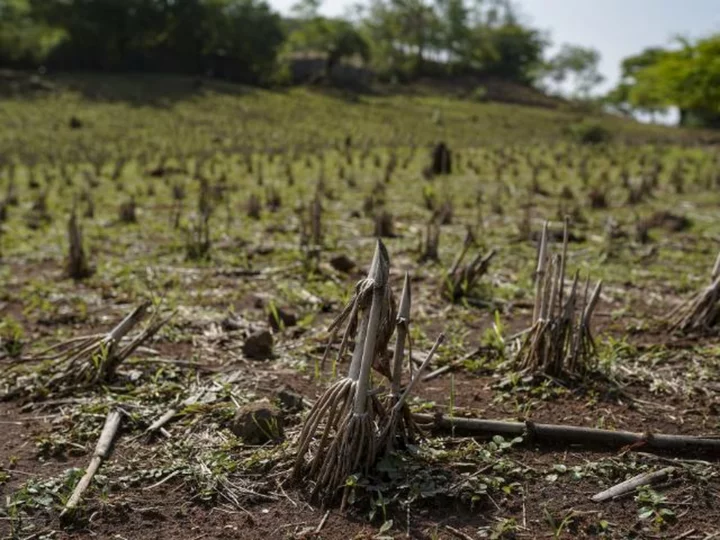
(246, 40)
(686, 76)
(401, 40)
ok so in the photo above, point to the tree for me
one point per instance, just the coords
(579, 65)
(513, 51)
(306, 9)
(644, 101)
(631, 65)
(238, 39)
(454, 34)
(22, 37)
(334, 38)
(246, 39)
(688, 78)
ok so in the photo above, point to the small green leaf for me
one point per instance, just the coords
(386, 526)
(646, 513)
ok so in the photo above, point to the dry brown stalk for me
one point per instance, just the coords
(560, 340)
(430, 247)
(350, 425)
(78, 267)
(460, 280)
(554, 433)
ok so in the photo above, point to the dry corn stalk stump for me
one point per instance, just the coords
(560, 340)
(701, 312)
(351, 425)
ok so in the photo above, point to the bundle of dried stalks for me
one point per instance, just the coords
(349, 426)
(84, 361)
(560, 340)
(460, 280)
(701, 313)
(347, 411)
(400, 428)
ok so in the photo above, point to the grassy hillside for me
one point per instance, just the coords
(176, 115)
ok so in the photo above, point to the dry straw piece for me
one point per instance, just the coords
(560, 340)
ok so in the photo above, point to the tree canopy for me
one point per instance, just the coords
(578, 65)
(687, 77)
(242, 39)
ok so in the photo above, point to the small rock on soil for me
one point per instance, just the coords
(280, 318)
(343, 263)
(258, 346)
(258, 423)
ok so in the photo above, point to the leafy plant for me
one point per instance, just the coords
(653, 507)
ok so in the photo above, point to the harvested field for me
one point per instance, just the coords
(245, 219)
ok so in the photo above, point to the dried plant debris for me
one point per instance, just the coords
(82, 362)
(78, 267)
(349, 425)
(462, 279)
(701, 313)
(560, 340)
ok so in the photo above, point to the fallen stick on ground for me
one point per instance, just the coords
(452, 365)
(102, 450)
(159, 424)
(631, 484)
(570, 434)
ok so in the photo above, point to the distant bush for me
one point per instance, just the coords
(480, 94)
(590, 133)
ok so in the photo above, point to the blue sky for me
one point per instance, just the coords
(617, 28)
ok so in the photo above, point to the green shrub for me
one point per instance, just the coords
(590, 133)
(480, 94)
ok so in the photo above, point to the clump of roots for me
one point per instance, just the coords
(560, 341)
(700, 313)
